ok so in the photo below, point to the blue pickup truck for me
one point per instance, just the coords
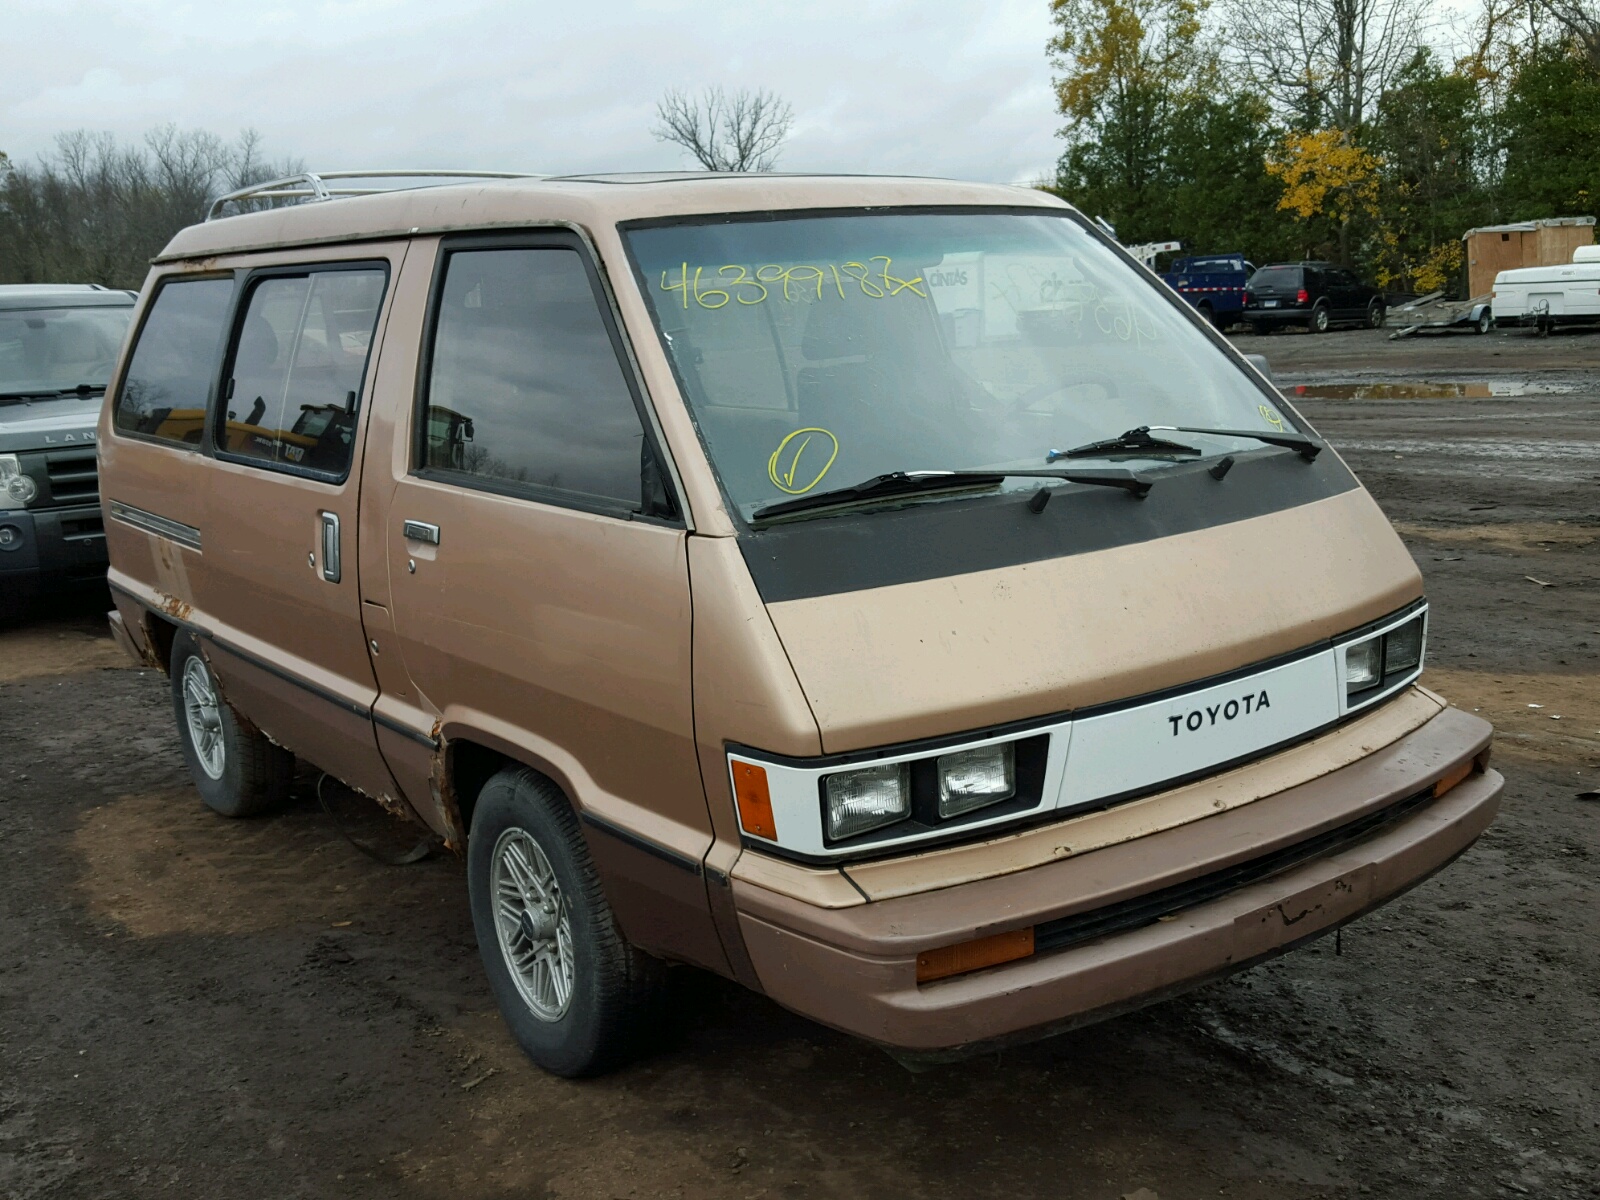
(1213, 283)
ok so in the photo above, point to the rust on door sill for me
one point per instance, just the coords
(178, 610)
(444, 795)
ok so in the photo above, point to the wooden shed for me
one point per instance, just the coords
(1544, 243)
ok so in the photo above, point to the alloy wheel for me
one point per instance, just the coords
(204, 715)
(532, 924)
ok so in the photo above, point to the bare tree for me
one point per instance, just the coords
(741, 131)
(1325, 62)
(97, 210)
(1580, 19)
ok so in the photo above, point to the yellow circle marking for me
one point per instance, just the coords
(1272, 418)
(784, 480)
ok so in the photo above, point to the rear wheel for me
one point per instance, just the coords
(1485, 322)
(1204, 309)
(1320, 319)
(576, 995)
(236, 770)
(1377, 314)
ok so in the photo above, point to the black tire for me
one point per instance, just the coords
(1377, 314)
(614, 989)
(1321, 319)
(1260, 328)
(251, 775)
(1485, 322)
(1205, 311)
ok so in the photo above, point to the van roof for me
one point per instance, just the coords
(586, 200)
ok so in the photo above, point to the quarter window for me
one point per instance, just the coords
(298, 367)
(169, 377)
(525, 389)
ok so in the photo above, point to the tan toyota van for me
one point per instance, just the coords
(884, 593)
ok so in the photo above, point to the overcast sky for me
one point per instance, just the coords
(958, 88)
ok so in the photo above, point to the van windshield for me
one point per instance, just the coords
(47, 350)
(817, 352)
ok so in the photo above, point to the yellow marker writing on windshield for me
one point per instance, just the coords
(783, 479)
(1271, 417)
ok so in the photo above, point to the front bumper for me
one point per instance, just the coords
(46, 549)
(855, 968)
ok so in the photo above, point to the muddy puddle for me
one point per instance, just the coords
(1430, 389)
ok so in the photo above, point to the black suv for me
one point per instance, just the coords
(1314, 294)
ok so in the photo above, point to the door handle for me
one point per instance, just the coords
(330, 546)
(420, 531)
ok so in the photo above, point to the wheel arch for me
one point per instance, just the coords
(467, 767)
(657, 894)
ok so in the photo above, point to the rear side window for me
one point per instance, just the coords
(298, 365)
(169, 376)
(525, 391)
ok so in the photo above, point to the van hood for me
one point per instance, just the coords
(52, 424)
(947, 655)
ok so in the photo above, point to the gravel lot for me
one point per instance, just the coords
(192, 1007)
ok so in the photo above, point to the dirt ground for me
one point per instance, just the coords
(193, 1007)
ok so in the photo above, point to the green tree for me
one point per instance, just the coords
(1221, 196)
(1126, 67)
(1551, 130)
(1429, 133)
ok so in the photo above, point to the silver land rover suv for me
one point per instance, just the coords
(58, 343)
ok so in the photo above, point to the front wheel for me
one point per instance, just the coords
(1320, 319)
(1377, 314)
(236, 770)
(576, 995)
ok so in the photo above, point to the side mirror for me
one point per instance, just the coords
(1260, 363)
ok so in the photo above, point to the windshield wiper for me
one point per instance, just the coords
(1139, 439)
(83, 389)
(1134, 441)
(911, 483)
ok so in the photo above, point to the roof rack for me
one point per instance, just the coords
(313, 185)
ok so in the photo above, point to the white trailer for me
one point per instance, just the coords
(1545, 297)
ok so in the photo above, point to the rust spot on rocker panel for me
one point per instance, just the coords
(178, 610)
(444, 794)
(144, 645)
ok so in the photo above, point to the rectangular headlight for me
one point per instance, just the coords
(867, 798)
(970, 779)
(1402, 647)
(1363, 664)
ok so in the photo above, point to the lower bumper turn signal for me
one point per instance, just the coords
(1454, 777)
(974, 955)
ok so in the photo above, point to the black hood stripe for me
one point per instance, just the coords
(854, 551)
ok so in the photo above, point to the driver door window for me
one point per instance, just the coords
(525, 391)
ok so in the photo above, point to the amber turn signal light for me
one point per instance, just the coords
(754, 800)
(1453, 778)
(974, 955)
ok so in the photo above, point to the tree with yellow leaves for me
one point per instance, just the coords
(1326, 175)
(1127, 68)
(1113, 49)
